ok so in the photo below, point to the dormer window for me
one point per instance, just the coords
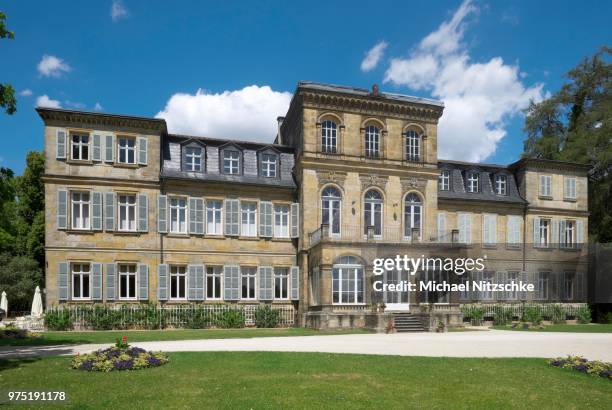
(472, 182)
(269, 165)
(231, 162)
(444, 180)
(501, 184)
(193, 159)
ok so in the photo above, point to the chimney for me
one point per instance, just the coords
(279, 138)
(375, 90)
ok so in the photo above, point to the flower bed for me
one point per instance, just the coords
(578, 363)
(118, 358)
(13, 333)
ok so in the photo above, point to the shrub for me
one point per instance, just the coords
(607, 318)
(583, 315)
(532, 314)
(502, 315)
(199, 318)
(118, 358)
(59, 320)
(230, 319)
(475, 313)
(557, 314)
(579, 363)
(13, 333)
(265, 316)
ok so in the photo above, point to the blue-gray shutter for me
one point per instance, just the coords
(231, 285)
(60, 151)
(109, 148)
(562, 226)
(110, 200)
(195, 282)
(96, 281)
(232, 217)
(579, 234)
(265, 219)
(196, 216)
(96, 211)
(63, 279)
(143, 213)
(62, 209)
(143, 282)
(554, 241)
(266, 283)
(111, 281)
(96, 150)
(295, 283)
(142, 150)
(295, 220)
(162, 214)
(536, 232)
(162, 282)
(184, 159)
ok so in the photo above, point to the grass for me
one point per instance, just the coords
(59, 338)
(240, 380)
(577, 328)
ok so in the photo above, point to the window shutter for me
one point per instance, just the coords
(461, 227)
(162, 214)
(96, 211)
(162, 282)
(579, 234)
(63, 281)
(60, 144)
(486, 230)
(468, 228)
(265, 219)
(184, 159)
(142, 150)
(231, 282)
(562, 226)
(195, 282)
(109, 211)
(62, 209)
(536, 231)
(509, 230)
(143, 282)
(196, 216)
(143, 213)
(442, 227)
(295, 220)
(554, 239)
(109, 148)
(96, 149)
(566, 188)
(111, 281)
(499, 280)
(96, 281)
(232, 217)
(266, 283)
(295, 283)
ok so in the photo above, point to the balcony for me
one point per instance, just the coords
(355, 233)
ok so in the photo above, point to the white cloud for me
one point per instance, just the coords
(246, 114)
(51, 66)
(45, 101)
(25, 92)
(118, 10)
(373, 56)
(479, 97)
(98, 107)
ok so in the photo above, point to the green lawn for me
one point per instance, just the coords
(578, 328)
(243, 380)
(55, 338)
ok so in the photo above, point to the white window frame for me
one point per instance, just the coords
(178, 272)
(329, 137)
(372, 141)
(126, 270)
(329, 204)
(489, 221)
(512, 276)
(281, 278)
(231, 164)
(444, 180)
(248, 218)
(214, 217)
(568, 291)
(177, 208)
(357, 272)
(473, 178)
(193, 159)
(248, 275)
(413, 146)
(215, 273)
(545, 186)
(268, 165)
(569, 188)
(543, 280)
(545, 228)
(127, 146)
(281, 221)
(411, 210)
(78, 270)
(82, 146)
(373, 210)
(501, 184)
(513, 234)
(82, 205)
(128, 209)
(569, 234)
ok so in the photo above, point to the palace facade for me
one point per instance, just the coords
(136, 214)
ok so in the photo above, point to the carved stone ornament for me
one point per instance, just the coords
(334, 177)
(368, 180)
(413, 183)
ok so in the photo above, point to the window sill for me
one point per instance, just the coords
(177, 235)
(214, 236)
(513, 247)
(570, 249)
(79, 162)
(128, 233)
(543, 248)
(122, 165)
(249, 238)
(80, 231)
(283, 239)
(545, 197)
(570, 200)
(489, 246)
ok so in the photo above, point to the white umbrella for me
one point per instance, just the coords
(37, 307)
(4, 303)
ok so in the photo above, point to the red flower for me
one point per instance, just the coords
(124, 339)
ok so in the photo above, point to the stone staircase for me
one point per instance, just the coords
(405, 322)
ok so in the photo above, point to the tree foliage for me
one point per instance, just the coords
(575, 125)
(7, 92)
(19, 276)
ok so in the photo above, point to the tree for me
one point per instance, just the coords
(30, 187)
(7, 92)
(19, 277)
(575, 124)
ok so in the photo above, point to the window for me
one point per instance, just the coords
(372, 212)
(569, 191)
(486, 294)
(81, 275)
(545, 188)
(268, 165)
(329, 139)
(193, 159)
(127, 281)
(501, 183)
(213, 282)
(80, 210)
(513, 231)
(249, 274)
(412, 214)
(281, 221)
(127, 150)
(330, 209)
(213, 217)
(127, 212)
(347, 281)
(249, 219)
(80, 147)
(512, 277)
(489, 226)
(444, 180)
(372, 141)
(178, 280)
(568, 234)
(178, 215)
(281, 283)
(472, 182)
(231, 162)
(544, 232)
(541, 291)
(568, 285)
(413, 146)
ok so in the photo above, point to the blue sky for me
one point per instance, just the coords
(484, 59)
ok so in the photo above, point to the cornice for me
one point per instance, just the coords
(60, 117)
(85, 180)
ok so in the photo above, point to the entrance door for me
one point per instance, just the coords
(397, 301)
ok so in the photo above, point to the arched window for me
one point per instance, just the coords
(372, 212)
(413, 146)
(413, 214)
(329, 137)
(347, 281)
(331, 203)
(372, 141)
